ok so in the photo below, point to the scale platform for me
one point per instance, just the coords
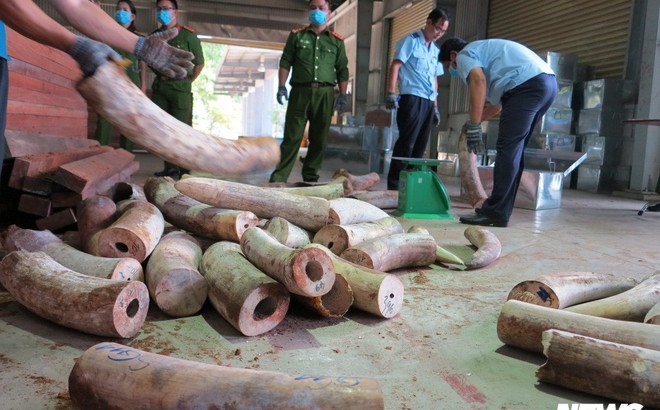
(422, 195)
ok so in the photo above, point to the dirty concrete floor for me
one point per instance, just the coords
(440, 352)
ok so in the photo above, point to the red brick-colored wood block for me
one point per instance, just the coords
(34, 205)
(37, 186)
(47, 163)
(57, 220)
(65, 199)
(23, 143)
(80, 175)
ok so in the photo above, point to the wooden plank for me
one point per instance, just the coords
(65, 199)
(85, 173)
(38, 97)
(39, 124)
(34, 205)
(104, 186)
(57, 220)
(47, 163)
(37, 186)
(22, 143)
(25, 49)
(46, 110)
(42, 73)
(22, 81)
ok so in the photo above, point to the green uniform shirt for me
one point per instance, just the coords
(133, 70)
(315, 58)
(185, 40)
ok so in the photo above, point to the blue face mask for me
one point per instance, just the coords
(317, 17)
(164, 17)
(453, 72)
(123, 17)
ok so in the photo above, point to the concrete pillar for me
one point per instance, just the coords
(646, 147)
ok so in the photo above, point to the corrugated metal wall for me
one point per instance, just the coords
(469, 24)
(596, 31)
(411, 19)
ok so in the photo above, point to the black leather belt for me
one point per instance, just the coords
(315, 85)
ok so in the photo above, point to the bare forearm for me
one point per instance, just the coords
(394, 75)
(477, 87)
(93, 22)
(29, 20)
(342, 87)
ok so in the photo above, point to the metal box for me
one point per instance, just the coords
(602, 122)
(594, 146)
(588, 178)
(557, 120)
(537, 190)
(542, 179)
(347, 137)
(603, 93)
(564, 65)
(553, 142)
(564, 97)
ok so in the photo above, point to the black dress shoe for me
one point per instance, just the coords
(653, 208)
(483, 220)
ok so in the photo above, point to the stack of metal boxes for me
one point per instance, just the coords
(362, 145)
(601, 135)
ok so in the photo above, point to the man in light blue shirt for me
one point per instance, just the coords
(515, 81)
(415, 68)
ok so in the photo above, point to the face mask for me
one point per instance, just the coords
(123, 17)
(317, 17)
(453, 72)
(164, 17)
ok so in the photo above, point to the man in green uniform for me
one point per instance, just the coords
(318, 59)
(175, 96)
(136, 71)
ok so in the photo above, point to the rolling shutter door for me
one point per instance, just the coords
(596, 31)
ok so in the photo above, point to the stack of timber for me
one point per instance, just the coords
(61, 173)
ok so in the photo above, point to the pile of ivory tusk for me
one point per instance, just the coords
(248, 250)
(590, 326)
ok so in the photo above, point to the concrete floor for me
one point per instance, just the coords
(440, 352)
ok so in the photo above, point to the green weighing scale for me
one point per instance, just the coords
(422, 195)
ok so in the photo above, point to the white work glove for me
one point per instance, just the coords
(91, 54)
(162, 57)
(390, 101)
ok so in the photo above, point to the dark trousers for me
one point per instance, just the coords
(176, 102)
(305, 104)
(522, 107)
(415, 121)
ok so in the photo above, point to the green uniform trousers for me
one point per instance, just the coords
(104, 134)
(168, 95)
(305, 104)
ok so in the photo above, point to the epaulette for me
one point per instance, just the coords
(299, 29)
(416, 34)
(189, 29)
(339, 36)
